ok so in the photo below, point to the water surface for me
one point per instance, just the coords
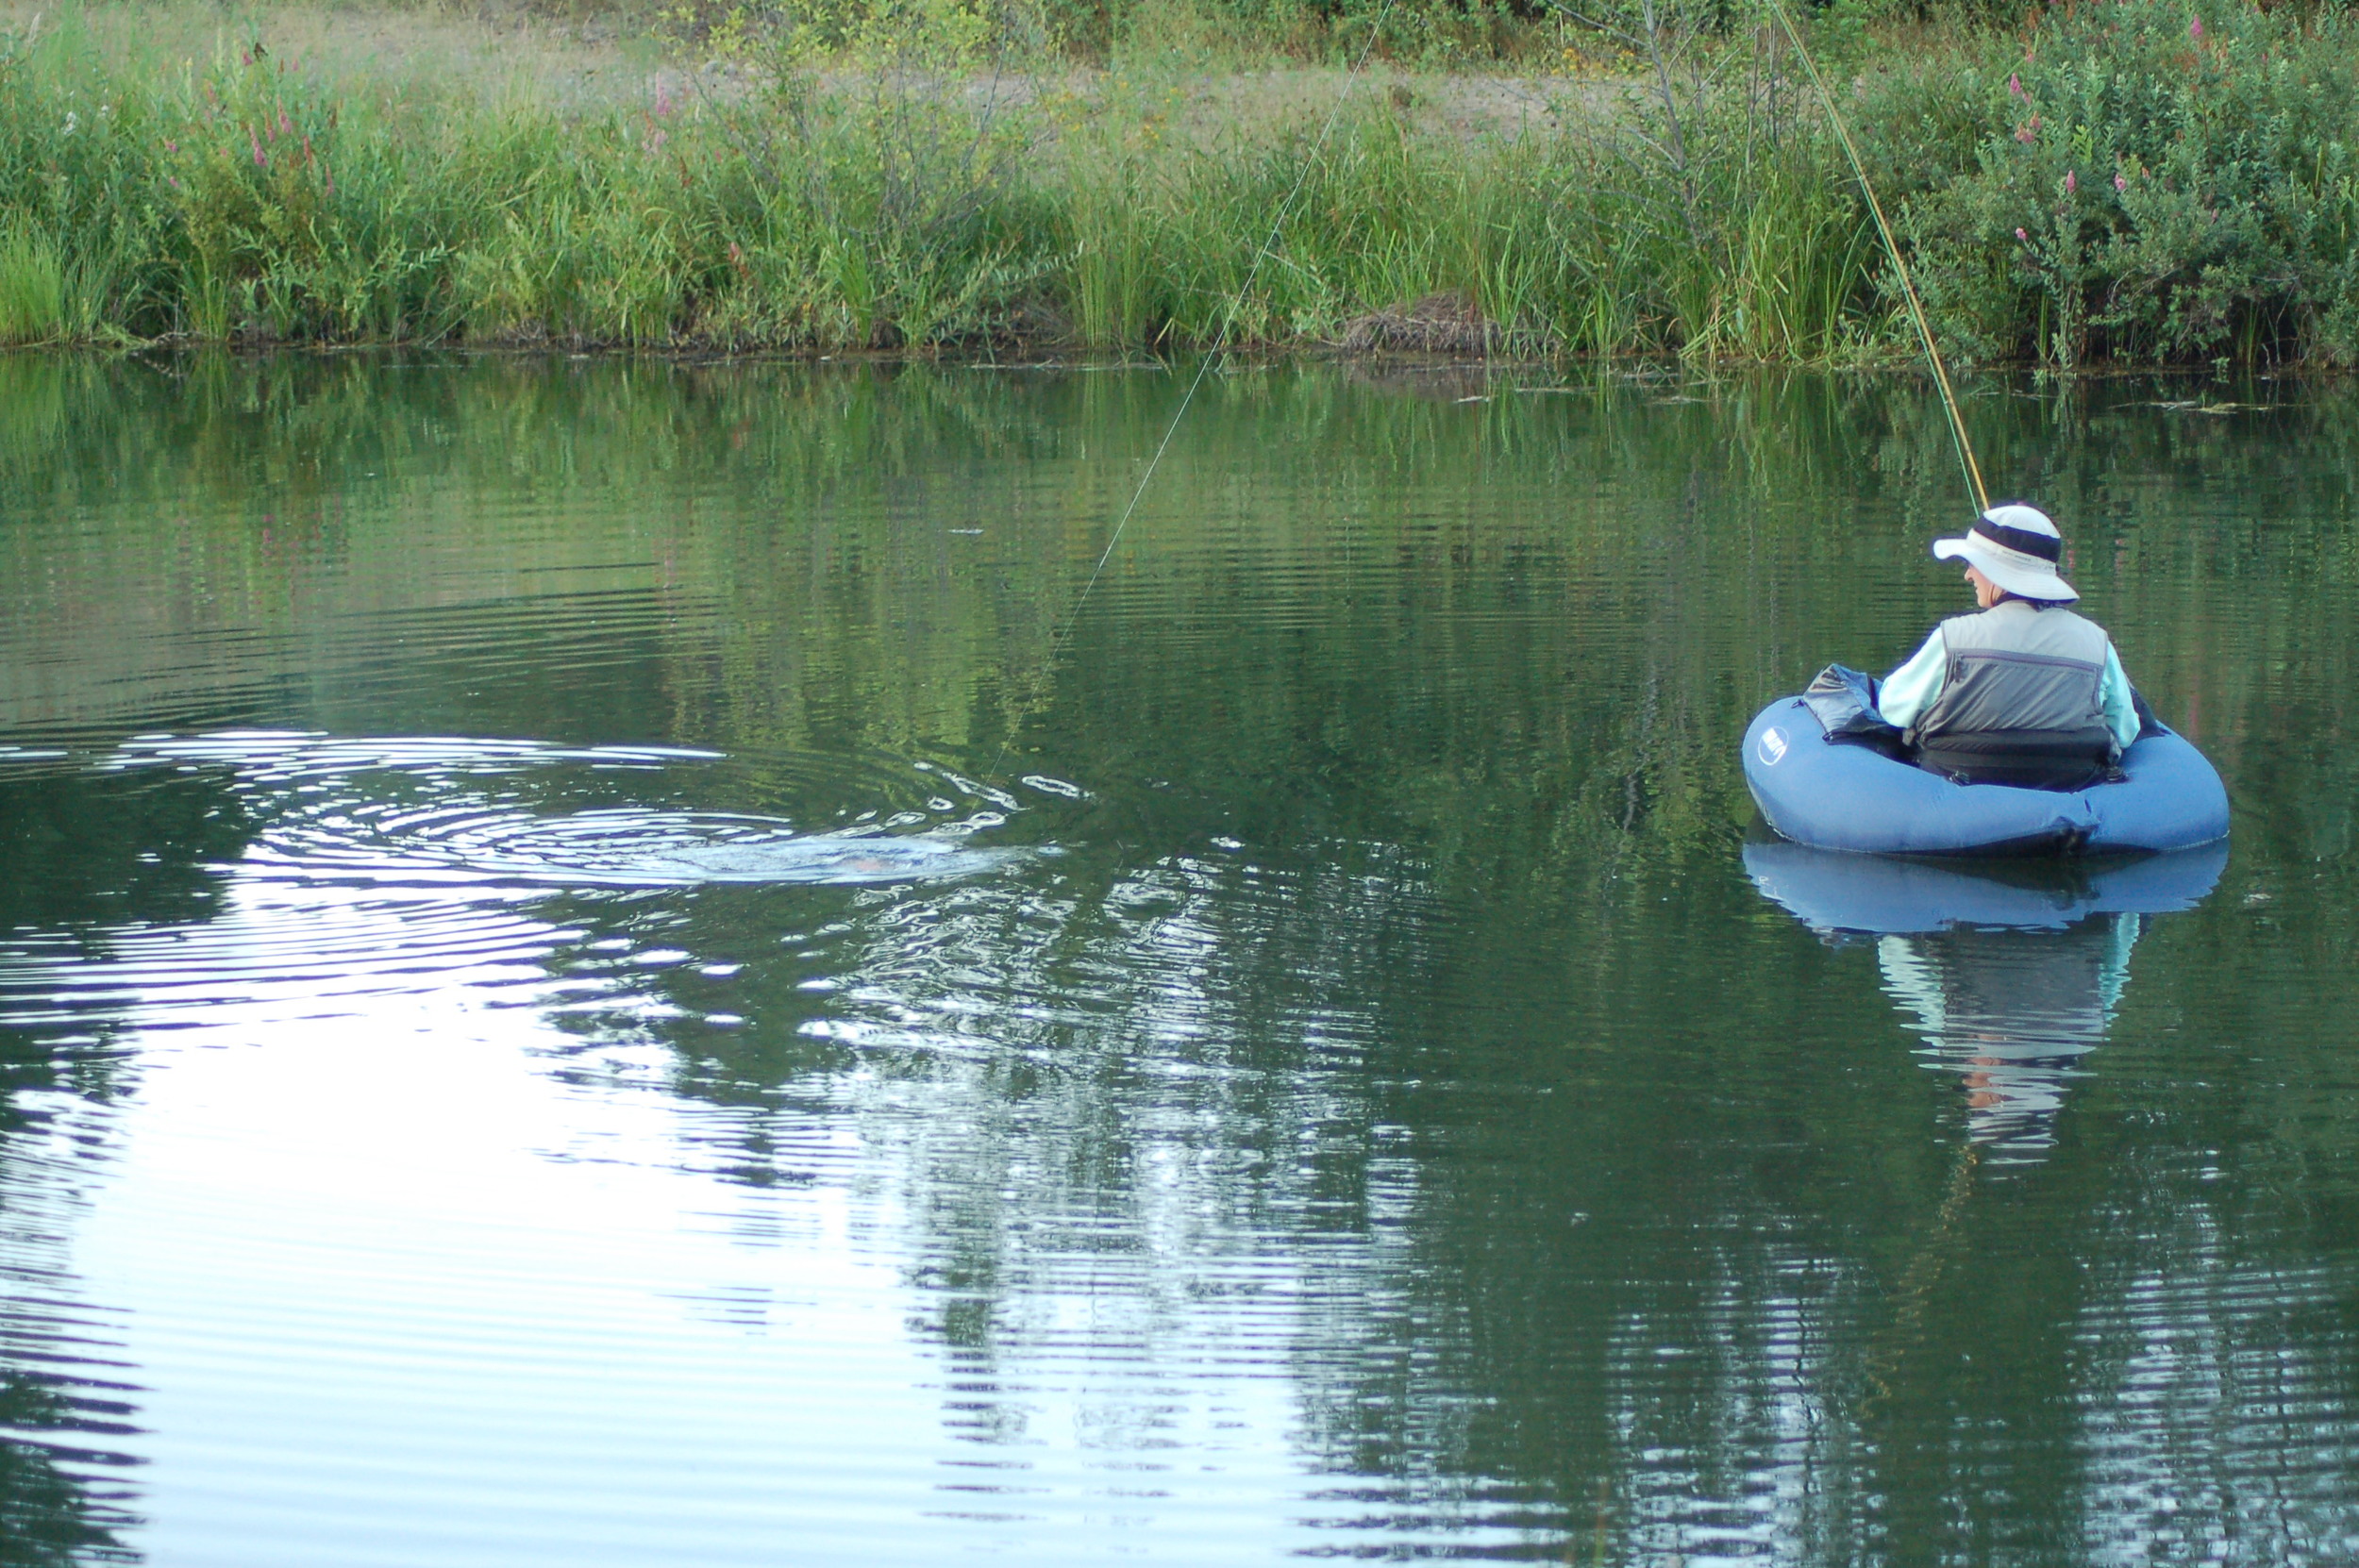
(609, 963)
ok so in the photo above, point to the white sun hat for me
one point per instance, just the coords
(2018, 548)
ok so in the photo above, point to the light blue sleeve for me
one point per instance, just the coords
(1911, 688)
(2113, 700)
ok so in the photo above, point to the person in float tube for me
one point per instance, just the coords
(2024, 690)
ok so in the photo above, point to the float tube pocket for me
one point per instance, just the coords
(1844, 701)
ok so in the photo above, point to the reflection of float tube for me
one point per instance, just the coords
(1830, 890)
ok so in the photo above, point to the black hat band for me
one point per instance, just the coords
(2047, 547)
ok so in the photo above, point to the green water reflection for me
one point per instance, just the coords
(1395, 994)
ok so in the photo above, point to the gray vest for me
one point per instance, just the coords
(2021, 680)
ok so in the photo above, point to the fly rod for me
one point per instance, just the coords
(1899, 265)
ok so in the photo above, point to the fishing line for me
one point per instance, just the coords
(1220, 346)
(1892, 248)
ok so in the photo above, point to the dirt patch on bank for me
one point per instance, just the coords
(1438, 323)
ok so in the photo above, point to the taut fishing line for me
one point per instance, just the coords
(1892, 248)
(1220, 346)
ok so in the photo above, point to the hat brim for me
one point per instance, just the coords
(2026, 576)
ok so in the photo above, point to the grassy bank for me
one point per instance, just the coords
(2115, 185)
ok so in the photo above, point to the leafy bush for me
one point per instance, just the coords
(2146, 182)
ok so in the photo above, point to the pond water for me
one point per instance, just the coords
(612, 962)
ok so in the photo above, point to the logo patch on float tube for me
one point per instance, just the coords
(1772, 747)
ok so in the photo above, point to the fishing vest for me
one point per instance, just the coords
(2019, 705)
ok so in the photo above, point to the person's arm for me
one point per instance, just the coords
(2114, 700)
(1911, 688)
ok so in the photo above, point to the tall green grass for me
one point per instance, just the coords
(32, 287)
(237, 199)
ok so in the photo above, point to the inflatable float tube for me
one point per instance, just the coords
(1834, 795)
(1839, 894)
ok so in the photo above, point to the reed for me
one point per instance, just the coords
(235, 198)
(32, 287)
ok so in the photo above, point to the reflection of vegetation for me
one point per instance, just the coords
(82, 855)
(135, 842)
(1400, 938)
(57, 1409)
(47, 1518)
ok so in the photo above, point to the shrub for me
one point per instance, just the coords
(2145, 182)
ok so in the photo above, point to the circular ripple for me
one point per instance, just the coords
(437, 810)
(314, 876)
(641, 848)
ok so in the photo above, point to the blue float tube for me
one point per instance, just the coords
(1870, 894)
(1835, 794)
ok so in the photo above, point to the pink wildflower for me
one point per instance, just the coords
(662, 102)
(2030, 132)
(2072, 182)
(2021, 235)
(259, 161)
(2120, 183)
(170, 145)
(2194, 30)
(286, 127)
(2014, 86)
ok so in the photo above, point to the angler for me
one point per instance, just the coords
(2024, 690)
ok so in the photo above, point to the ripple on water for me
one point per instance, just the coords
(374, 867)
(392, 807)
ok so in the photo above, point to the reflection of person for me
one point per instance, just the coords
(2012, 1012)
(2024, 692)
